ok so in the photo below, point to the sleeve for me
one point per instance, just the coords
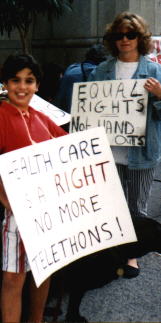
(92, 76)
(157, 103)
(55, 130)
(157, 107)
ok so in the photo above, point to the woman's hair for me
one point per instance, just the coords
(16, 62)
(132, 22)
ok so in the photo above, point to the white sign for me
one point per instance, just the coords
(59, 116)
(119, 106)
(67, 199)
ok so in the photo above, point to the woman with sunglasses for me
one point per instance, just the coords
(128, 40)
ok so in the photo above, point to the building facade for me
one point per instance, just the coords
(65, 41)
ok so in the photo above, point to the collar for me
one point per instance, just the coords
(9, 107)
(141, 72)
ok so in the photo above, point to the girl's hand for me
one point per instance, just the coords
(3, 197)
(153, 86)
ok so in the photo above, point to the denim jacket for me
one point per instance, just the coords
(149, 155)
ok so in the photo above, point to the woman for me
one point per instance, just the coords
(129, 41)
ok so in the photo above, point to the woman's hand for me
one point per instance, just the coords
(153, 86)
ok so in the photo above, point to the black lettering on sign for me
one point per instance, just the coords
(88, 174)
(79, 177)
(104, 229)
(117, 220)
(81, 150)
(120, 140)
(93, 91)
(43, 223)
(108, 126)
(107, 89)
(102, 169)
(82, 240)
(28, 201)
(133, 93)
(142, 106)
(82, 91)
(81, 105)
(98, 107)
(41, 195)
(15, 169)
(73, 245)
(141, 140)
(136, 140)
(130, 139)
(23, 165)
(76, 125)
(54, 254)
(127, 105)
(94, 235)
(75, 209)
(42, 260)
(95, 145)
(120, 90)
(115, 107)
(61, 243)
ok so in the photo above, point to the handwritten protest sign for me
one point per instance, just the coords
(120, 106)
(59, 116)
(67, 199)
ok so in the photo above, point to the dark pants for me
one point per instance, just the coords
(137, 187)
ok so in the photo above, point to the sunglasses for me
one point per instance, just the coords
(129, 35)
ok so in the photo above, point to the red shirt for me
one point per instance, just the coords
(15, 132)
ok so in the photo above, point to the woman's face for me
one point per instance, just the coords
(127, 46)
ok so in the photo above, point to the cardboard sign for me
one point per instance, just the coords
(59, 116)
(67, 199)
(119, 106)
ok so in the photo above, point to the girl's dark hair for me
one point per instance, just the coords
(16, 62)
(96, 54)
(134, 23)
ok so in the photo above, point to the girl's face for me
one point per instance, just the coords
(127, 46)
(21, 88)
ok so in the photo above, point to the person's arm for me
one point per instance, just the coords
(3, 196)
(153, 86)
(55, 130)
